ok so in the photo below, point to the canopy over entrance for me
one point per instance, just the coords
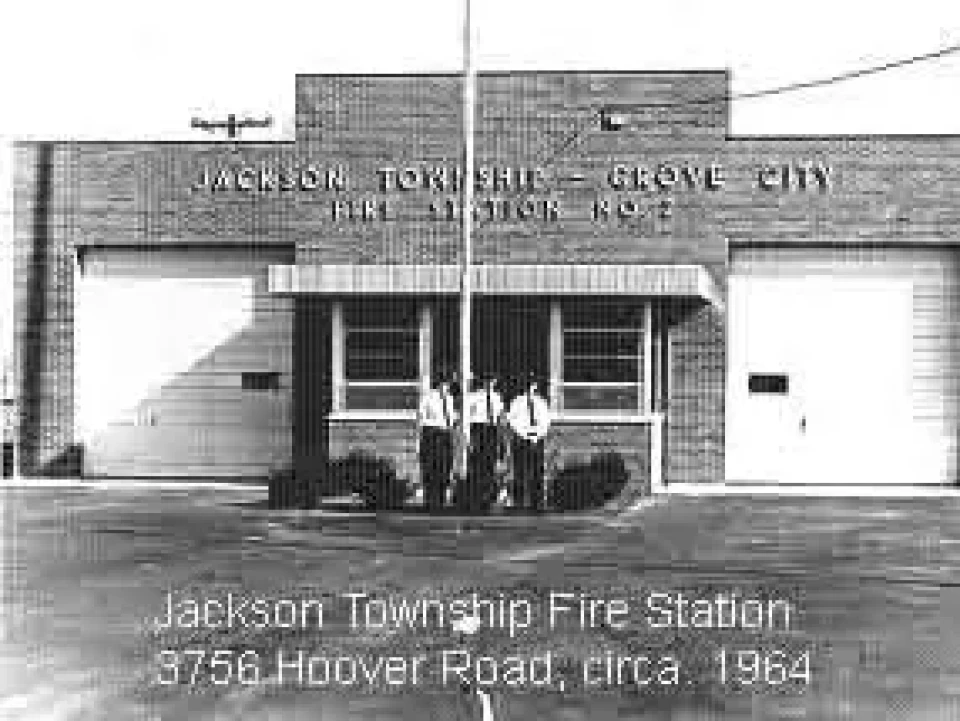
(489, 279)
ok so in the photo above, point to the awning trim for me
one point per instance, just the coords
(500, 279)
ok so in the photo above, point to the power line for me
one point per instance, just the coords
(752, 95)
(809, 84)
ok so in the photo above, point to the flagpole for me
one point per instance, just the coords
(467, 223)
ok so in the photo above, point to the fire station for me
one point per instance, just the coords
(710, 308)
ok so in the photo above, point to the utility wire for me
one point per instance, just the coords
(806, 85)
(779, 90)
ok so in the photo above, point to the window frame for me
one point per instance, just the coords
(413, 332)
(341, 384)
(652, 393)
(644, 359)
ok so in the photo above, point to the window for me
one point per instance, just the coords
(381, 355)
(603, 357)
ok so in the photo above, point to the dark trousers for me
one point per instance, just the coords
(528, 473)
(478, 491)
(436, 462)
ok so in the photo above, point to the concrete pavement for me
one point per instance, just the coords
(87, 572)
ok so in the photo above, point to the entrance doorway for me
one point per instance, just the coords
(510, 339)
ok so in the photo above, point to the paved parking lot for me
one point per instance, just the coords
(88, 575)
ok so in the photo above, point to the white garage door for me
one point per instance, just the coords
(182, 364)
(833, 357)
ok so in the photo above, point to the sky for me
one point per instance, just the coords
(126, 70)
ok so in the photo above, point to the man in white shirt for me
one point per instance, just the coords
(529, 418)
(437, 421)
(485, 410)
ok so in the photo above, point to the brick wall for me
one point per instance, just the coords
(527, 119)
(136, 193)
(694, 444)
(884, 188)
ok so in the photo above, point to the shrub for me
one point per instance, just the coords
(285, 490)
(373, 478)
(589, 485)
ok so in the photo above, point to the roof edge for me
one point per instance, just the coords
(501, 73)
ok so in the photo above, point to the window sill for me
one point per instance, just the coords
(601, 418)
(373, 415)
(565, 419)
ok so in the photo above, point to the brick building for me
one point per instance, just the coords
(707, 307)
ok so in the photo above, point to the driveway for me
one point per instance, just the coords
(835, 608)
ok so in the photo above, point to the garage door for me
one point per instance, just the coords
(842, 366)
(182, 363)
